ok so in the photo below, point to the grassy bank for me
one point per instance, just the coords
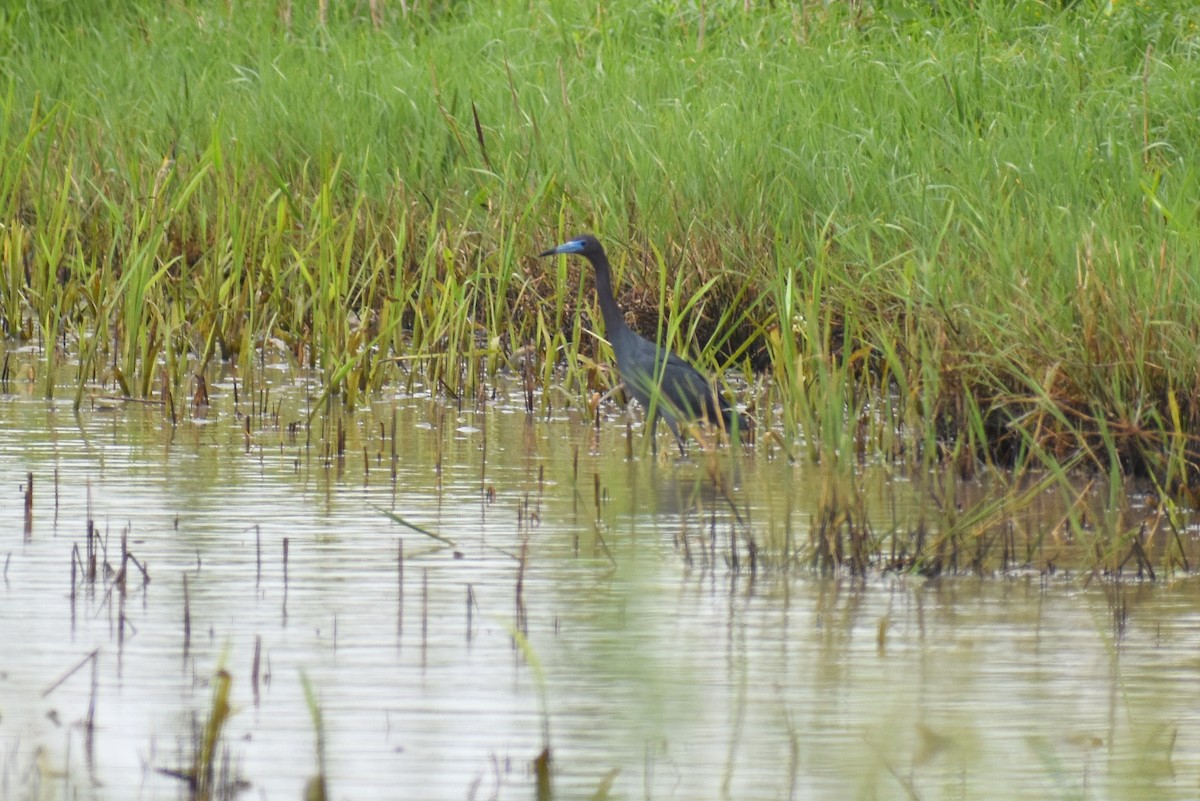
(943, 235)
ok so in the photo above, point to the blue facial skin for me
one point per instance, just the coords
(574, 246)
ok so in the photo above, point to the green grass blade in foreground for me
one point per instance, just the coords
(316, 788)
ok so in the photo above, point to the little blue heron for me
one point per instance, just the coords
(662, 382)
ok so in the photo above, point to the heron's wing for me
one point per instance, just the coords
(651, 372)
(688, 390)
(682, 391)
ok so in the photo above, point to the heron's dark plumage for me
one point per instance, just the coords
(685, 393)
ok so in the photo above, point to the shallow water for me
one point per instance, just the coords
(650, 664)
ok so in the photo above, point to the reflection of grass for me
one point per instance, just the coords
(542, 763)
(892, 210)
(539, 679)
(857, 521)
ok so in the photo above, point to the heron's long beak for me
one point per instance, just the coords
(574, 246)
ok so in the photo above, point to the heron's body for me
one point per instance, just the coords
(660, 380)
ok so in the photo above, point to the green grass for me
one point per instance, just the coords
(944, 235)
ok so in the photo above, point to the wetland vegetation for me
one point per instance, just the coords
(927, 232)
(943, 254)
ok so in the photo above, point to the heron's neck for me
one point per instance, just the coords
(614, 319)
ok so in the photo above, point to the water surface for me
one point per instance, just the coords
(652, 667)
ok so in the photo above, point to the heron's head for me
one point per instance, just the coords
(585, 245)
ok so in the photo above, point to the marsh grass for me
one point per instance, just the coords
(316, 788)
(952, 234)
(212, 774)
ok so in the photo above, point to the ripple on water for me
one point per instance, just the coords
(692, 682)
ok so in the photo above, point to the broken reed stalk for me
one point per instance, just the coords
(120, 625)
(683, 540)
(392, 443)
(734, 560)
(520, 590)
(74, 568)
(285, 577)
(424, 612)
(254, 667)
(483, 445)
(90, 567)
(470, 605)
(29, 506)
(89, 722)
(95, 653)
(187, 618)
(120, 579)
(399, 589)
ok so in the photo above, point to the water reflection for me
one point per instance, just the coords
(661, 671)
